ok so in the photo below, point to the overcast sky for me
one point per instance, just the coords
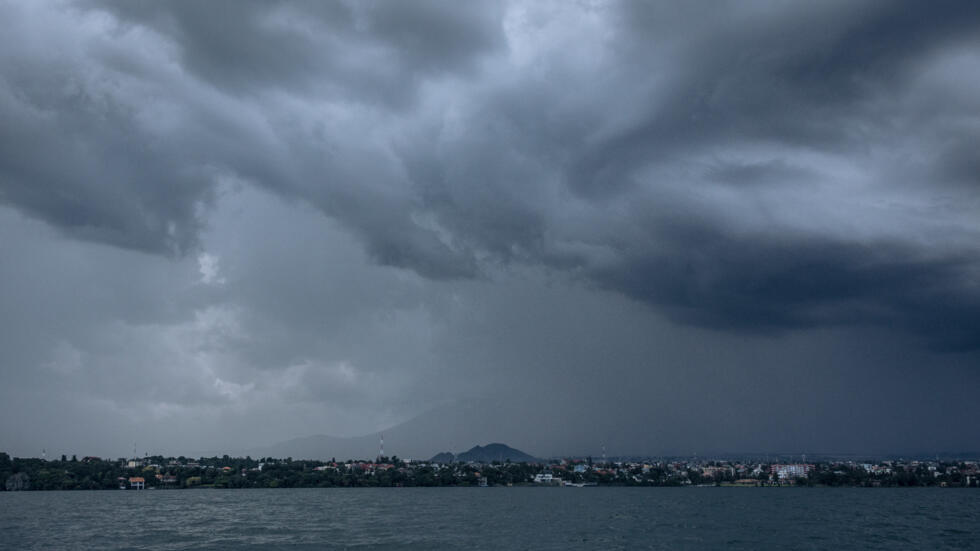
(660, 227)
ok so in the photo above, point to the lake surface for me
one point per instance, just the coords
(494, 518)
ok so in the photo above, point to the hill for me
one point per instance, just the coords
(486, 454)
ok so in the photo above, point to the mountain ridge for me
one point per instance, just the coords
(485, 454)
(451, 426)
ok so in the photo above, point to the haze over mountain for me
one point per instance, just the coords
(658, 227)
(453, 427)
(416, 438)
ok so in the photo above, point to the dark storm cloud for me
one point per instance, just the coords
(817, 76)
(821, 81)
(354, 49)
(84, 148)
(673, 100)
(354, 210)
(811, 78)
(772, 284)
(79, 161)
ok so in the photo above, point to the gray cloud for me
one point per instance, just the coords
(345, 50)
(779, 283)
(337, 215)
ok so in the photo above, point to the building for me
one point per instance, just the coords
(137, 482)
(797, 470)
(546, 478)
(167, 479)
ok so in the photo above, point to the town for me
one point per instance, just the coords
(158, 472)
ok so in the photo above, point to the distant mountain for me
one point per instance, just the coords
(444, 457)
(486, 454)
(452, 426)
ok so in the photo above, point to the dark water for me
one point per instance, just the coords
(494, 518)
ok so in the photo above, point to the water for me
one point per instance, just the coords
(494, 518)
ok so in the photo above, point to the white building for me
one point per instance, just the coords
(546, 478)
(791, 471)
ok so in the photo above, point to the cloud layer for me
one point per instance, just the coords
(327, 217)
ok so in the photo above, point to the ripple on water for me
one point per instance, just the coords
(493, 518)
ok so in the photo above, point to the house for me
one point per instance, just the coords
(546, 478)
(168, 479)
(137, 482)
(784, 472)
